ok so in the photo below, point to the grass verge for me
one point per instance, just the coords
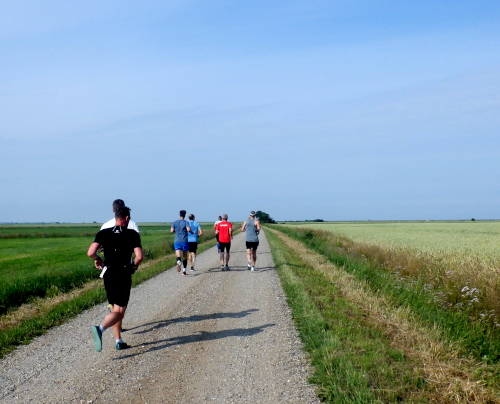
(476, 339)
(447, 377)
(354, 362)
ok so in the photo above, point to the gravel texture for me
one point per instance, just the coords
(210, 336)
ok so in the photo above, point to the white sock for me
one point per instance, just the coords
(101, 328)
(119, 340)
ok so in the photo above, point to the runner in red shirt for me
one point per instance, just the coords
(225, 231)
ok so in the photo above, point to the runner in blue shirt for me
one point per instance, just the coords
(181, 228)
(193, 239)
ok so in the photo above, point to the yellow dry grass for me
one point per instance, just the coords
(450, 376)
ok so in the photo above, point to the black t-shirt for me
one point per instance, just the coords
(118, 243)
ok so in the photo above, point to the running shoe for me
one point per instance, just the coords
(227, 268)
(179, 266)
(121, 345)
(192, 268)
(184, 272)
(249, 265)
(253, 269)
(96, 332)
(223, 268)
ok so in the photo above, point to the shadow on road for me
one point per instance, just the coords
(193, 318)
(197, 337)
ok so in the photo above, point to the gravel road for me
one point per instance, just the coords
(210, 336)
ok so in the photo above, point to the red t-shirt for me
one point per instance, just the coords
(223, 228)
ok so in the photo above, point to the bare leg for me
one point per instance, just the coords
(254, 257)
(114, 320)
(227, 258)
(221, 258)
(249, 255)
(192, 259)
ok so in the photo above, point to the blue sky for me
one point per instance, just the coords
(341, 110)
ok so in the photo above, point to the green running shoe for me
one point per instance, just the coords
(96, 332)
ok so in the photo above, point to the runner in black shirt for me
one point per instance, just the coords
(119, 243)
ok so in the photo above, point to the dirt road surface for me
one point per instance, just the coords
(208, 337)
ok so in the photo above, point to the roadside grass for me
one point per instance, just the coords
(471, 336)
(448, 378)
(353, 361)
(44, 267)
(21, 326)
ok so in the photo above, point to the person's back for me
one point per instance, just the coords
(224, 234)
(251, 231)
(118, 243)
(181, 233)
(195, 226)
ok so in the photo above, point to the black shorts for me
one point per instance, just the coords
(223, 246)
(118, 290)
(252, 245)
(193, 246)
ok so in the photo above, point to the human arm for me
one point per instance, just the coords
(257, 224)
(200, 232)
(231, 232)
(189, 229)
(138, 256)
(244, 225)
(172, 230)
(92, 253)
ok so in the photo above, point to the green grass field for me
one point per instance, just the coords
(46, 260)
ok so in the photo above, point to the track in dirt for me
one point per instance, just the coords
(210, 336)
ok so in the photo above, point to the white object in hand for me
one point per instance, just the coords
(101, 275)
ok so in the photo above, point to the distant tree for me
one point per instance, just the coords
(264, 217)
(473, 219)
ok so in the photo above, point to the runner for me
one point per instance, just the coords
(252, 227)
(216, 234)
(181, 228)
(225, 231)
(193, 240)
(119, 243)
(117, 204)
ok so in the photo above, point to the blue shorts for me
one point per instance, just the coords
(181, 246)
